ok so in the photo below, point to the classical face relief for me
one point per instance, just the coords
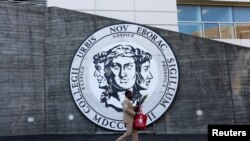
(124, 72)
(99, 74)
(146, 75)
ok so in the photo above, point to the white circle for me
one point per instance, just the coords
(30, 119)
(71, 117)
(199, 112)
(101, 100)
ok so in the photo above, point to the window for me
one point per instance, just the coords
(241, 14)
(191, 29)
(242, 22)
(214, 22)
(242, 31)
(216, 14)
(211, 30)
(193, 13)
(227, 31)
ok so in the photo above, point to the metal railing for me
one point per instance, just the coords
(220, 24)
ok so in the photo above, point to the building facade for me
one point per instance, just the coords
(41, 71)
(223, 20)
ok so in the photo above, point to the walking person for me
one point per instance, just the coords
(128, 118)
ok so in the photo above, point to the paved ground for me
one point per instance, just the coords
(179, 137)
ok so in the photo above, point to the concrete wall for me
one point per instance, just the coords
(240, 42)
(214, 83)
(21, 70)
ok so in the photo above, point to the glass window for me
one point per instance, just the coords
(215, 22)
(216, 14)
(191, 29)
(242, 14)
(227, 31)
(211, 30)
(242, 31)
(189, 13)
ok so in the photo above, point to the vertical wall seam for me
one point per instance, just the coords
(230, 84)
(134, 13)
(44, 70)
(165, 123)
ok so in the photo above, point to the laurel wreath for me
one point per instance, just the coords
(142, 99)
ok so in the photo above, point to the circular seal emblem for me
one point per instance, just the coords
(123, 57)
